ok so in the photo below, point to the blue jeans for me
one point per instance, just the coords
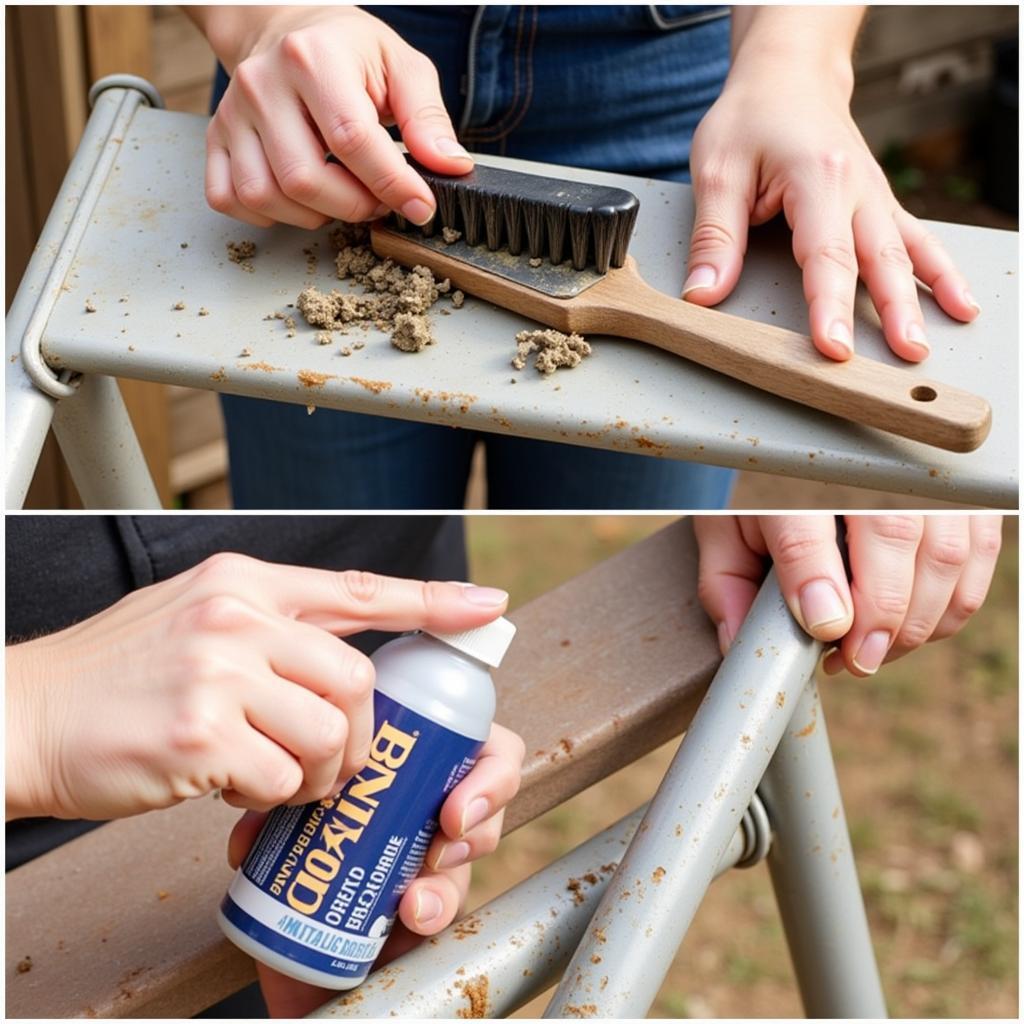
(616, 88)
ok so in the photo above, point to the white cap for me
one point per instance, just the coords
(485, 643)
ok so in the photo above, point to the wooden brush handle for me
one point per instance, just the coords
(787, 364)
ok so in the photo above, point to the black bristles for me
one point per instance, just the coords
(525, 211)
(400, 221)
(494, 223)
(512, 207)
(579, 238)
(533, 220)
(447, 205)
(470, 207)
(430, 227)
(555, 216)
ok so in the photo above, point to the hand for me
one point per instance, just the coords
(914, 578)
(471, 821)
(311, 80)
(228, 676)
(781, 138)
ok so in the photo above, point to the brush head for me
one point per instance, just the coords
(528, 214)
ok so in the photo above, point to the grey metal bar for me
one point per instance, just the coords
(499, 957)
(814, 875)
(101, 447)
(670, 864)
(31, 386)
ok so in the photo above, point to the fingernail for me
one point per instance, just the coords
(724, 637)
(476, 812)
(824, 657)
(873, 649)
(451, 854)
(703, 276)
(820, 604)
(489, 597)
(417, 211)
(428, 906)
(449, 147)
(840, 334)
(971, 301)
(915, 334)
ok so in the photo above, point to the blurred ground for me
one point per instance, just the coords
(927, 755)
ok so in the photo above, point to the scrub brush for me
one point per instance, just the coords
(555, 251)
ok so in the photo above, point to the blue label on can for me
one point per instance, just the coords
(322, 883)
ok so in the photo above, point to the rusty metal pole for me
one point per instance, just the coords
(814, 875)
(646, 911)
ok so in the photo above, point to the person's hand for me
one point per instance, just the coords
(781, 138)
(228, 676)
(914, 578)
(471, 821)
(308, 81)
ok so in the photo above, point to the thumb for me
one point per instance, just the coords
(719, 237)
(414, 96)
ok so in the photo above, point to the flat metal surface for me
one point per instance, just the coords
(626, 396)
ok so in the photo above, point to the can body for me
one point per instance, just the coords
(319, 891)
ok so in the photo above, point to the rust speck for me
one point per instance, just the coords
(475, 992)
(373, 386)
(594, 958)
(313, 378)
(600, 935)
(25, 965)
(262, 366)
(657, 875)
(162, 894)
(807, 729)
(582, 1010)
(780, 699)
(219, 375)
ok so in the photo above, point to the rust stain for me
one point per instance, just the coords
(264, 367)
(374, 386)
(476, 992)
(807, 729)
(313, 378)
(219, 375)
(594, 958)
(582, 1010)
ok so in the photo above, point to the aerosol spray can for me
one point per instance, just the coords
(319, 891)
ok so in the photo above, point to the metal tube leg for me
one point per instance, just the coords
(101, 447)
(814, 875)
(503, 954)
(645, 913)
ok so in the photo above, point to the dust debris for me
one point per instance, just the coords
(89, 307)
(131, 348)
(393, 299)
(345, 351)
(476, 992)
(466, 927)
(243, 254)
(600, 935)
(276, 315)
(458, 298)
(412, 333)
(184, 245)
(246, 352)
(162, 894)
(124, 298)
(594, 958)
(312, 254)
(535, 261)
(554, 349)
(179, 305)
(310, 409)
(450, 235)
(203, 311)
(583, 1010)
(313, 378)
(373, 386)
(657, 875)
(289, 323)
(24, 965)
(265, 367)
(324, 338)
(219, 375)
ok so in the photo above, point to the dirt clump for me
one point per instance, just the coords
(393, 299)
(458, 298)
(89, 307)
(476, 992)
(554, 349)
(450, 235)
(243, 254)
